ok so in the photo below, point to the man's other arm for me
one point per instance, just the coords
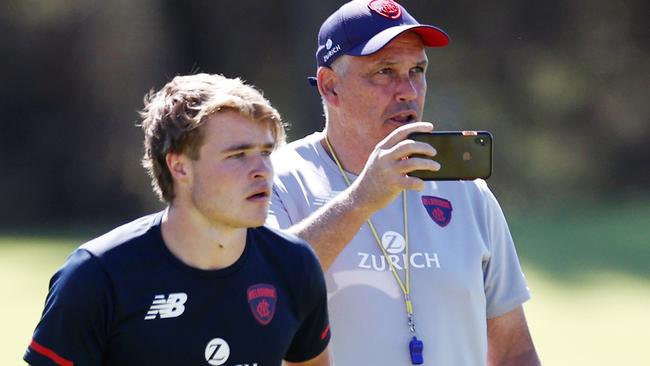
(321, 360)
(509, 341)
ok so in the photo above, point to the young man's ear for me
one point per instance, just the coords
(327, 83)
(178, 166)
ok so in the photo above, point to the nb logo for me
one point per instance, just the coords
(171, 307)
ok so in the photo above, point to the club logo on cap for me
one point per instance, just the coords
(386, 8)
(261, 299)
(439, 209)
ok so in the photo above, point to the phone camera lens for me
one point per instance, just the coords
(481, 141)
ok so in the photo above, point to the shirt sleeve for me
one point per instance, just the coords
(504, 281)
(278, 217)
(313, 335)
(74, 325)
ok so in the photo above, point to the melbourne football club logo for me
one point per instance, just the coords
(261, 299)
(439, 209)
(386, 8)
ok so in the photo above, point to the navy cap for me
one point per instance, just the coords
(363, 27)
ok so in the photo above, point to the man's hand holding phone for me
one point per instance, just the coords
(463, 155)
(385, 174)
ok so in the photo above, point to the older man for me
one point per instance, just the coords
(404, 285)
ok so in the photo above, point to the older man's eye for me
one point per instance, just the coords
(418, 69)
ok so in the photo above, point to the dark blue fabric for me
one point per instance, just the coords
(98, 301)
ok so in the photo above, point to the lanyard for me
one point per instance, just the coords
(415, 345)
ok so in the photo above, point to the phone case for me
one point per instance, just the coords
(463, 155)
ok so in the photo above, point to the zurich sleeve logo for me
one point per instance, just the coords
(439, 209)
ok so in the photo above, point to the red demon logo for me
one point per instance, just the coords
(386, 8)
(261, 299)
(439, 209)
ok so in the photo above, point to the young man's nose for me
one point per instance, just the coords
(262, 167)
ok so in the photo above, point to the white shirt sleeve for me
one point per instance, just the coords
(505, 285)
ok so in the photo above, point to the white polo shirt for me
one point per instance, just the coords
(464, 268)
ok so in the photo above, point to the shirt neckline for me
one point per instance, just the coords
(176, 262)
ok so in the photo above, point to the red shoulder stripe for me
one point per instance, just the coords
(325, 332)
(60, 361)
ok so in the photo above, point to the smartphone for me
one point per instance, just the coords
(463, 155)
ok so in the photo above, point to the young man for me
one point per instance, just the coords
(417, 272)
(201, 283)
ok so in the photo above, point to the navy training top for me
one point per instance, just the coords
(125, 299)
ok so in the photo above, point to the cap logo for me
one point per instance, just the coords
(386, 8)
(331, 51)
(261, 299)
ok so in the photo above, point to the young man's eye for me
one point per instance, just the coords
(238, 155)
(266, 152)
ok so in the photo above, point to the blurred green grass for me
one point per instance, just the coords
(588, 267)
(26, 264)
(572, 241)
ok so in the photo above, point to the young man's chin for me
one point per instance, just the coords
(256, 219)
(258, 223)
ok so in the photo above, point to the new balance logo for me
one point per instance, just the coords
(171, 307)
